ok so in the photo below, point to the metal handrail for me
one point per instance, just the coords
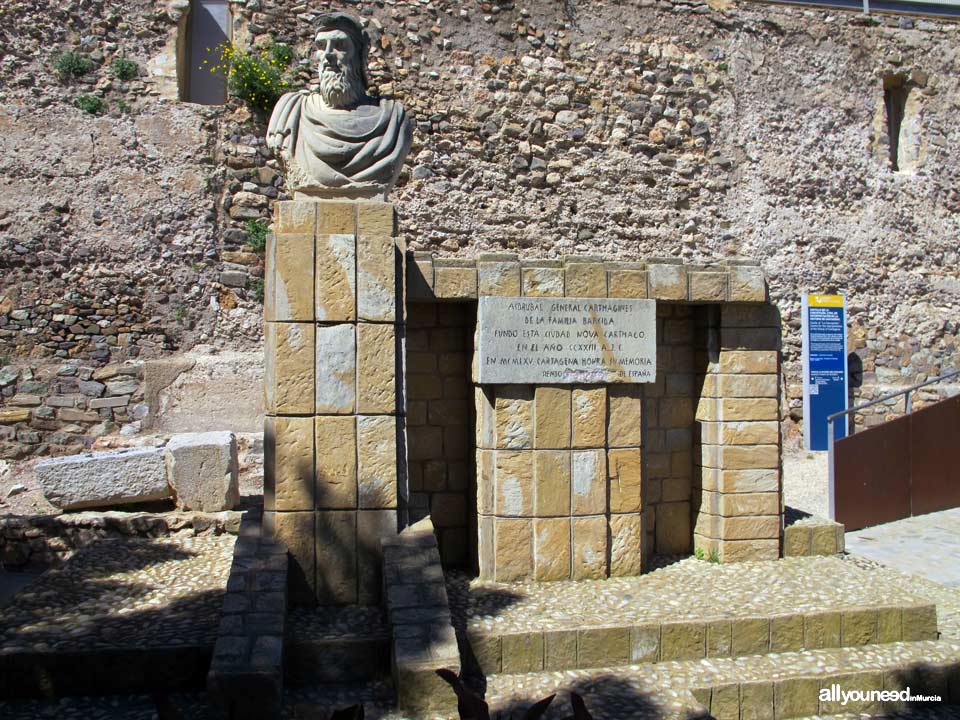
(908, 408)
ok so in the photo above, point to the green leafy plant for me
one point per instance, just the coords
(256, 285)
(124, 107)
(124, 69)
(699, 554)
(255, 76)
(180, 312)
(72, 64)
(257, 235)
(89, 104)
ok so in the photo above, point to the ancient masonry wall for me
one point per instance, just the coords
(586, 481)
(333, 466)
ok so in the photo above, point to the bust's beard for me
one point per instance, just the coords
(341, 89)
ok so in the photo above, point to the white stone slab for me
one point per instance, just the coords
(552, 341)
(107, 478)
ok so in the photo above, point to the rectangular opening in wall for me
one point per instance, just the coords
(208, 28)
(895, 93)
(440, 425)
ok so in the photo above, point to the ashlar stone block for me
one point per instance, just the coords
(589, 548)
(551, 428)
(295, 216)
(585, 279)
(551, 473)
(667, 282)
(376, 368)
(296, 531)
(499, 278)
(708, 286)
(551, 549)
(336, 278)
(377, 461)
(514, 483)
(289, 368)
(288, 463)
(589, 417)
(455, 282)
(336, 554)
(624, 416)
(203, 470)
(513, 549)
(625, 469)
(288, 295)
(627, 283)
(626, 545)
(588, 477)
(336, 370)
(542, 281)
(514, 417)
(377, 278)
(336, 462)
(336, 217)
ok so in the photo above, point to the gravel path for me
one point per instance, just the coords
(805, 481)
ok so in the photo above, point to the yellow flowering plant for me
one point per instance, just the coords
(255, 76)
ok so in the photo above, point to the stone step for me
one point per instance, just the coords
(335, 645)
(687, 611)
(773, 686)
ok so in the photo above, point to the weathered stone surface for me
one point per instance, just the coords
(336, 557)
(513, 409)
(589, 548)
(107, 478)
(551, 549)
(585, 279)
(708, 286)
(288, 293)
(336, 371)
(455, 282)
(376, 368)
(513, 550)
(589, 417)
(377, 277)
(551, 473)
(588, 481)
(289, 368)
(624, 467)
(499, 278)
(203, 470)
(542, 281)
(336, 462)
(551, 427)
(682, 641)
(377, 461)
(288, 467)
(673, 528)
(627, 283)
(296, 217)
(296, 531)
(336, 273)
(603, 647)
(626, 544)
(514, 483)
(667, 282)
(625, 416)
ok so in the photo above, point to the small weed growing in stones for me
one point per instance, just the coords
(713, 557)
(257, 235)
(723, 67)
(72, 65)
(256, 285)
(124, 69)
(124, 107)
(180, 313)
(699, 554)
(89, 104)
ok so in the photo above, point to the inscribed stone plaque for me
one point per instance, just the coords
(550, 341)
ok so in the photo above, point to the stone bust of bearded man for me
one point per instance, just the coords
(337, 141)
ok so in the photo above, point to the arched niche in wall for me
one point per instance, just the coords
(207, 27)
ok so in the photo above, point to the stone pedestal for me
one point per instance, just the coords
(333, 437)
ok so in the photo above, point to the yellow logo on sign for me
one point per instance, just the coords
(825, 300)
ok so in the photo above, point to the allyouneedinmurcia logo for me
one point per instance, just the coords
(835, 694)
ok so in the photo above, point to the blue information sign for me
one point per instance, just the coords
(824, 367)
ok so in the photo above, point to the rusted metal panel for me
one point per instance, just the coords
(935, 457)
(872, 475)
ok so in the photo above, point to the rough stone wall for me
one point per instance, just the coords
(631, 128)
(638, 129)
(440, 423)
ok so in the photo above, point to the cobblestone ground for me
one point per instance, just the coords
(689, 589)
(192, 706)
(335, 623)
(123, 592)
